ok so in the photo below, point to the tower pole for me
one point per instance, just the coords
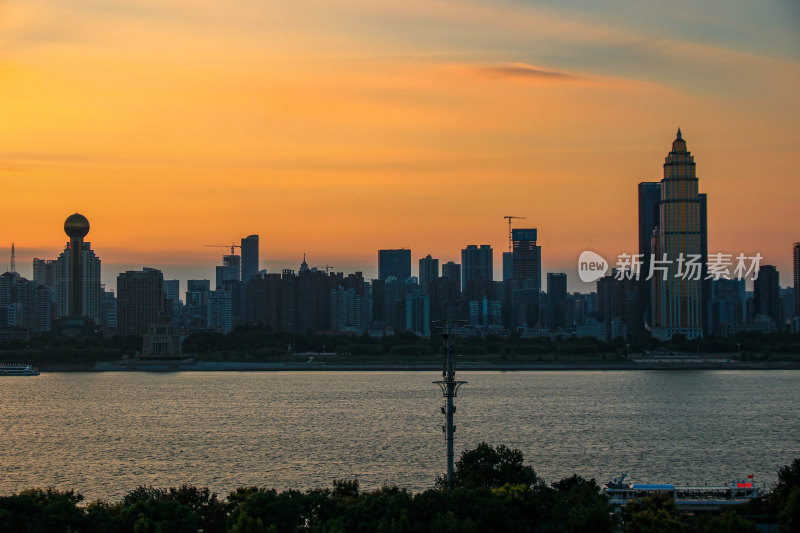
(449, 386)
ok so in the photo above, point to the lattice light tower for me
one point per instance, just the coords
(449, 387)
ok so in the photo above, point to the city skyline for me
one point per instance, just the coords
(211, 270)
(399, 125)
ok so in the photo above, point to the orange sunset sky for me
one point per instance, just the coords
(336, 128)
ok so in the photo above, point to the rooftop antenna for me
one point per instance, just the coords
(449, 386)
(509, 218)
(13, 260)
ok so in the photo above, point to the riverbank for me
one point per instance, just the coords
(329, 366)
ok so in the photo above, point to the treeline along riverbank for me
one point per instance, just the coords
(255, 345)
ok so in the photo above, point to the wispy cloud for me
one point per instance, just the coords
(522, 71)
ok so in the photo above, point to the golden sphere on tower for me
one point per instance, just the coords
(76, 225)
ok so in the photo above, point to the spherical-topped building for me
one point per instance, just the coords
(76, 226)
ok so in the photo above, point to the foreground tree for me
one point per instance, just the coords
(489, 467)
(730, 523)
(653, 514)
(789, 516)
(788, 480)
(37, 510)
(582, 506)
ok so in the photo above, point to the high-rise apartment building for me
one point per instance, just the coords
(394, 263)
(428, 273)
(140, 300)
(452, 271)
(557, 296)
(45, 272)
(677, 306)
(220, 310)
(108, 312)
(172, 289)
(476, 271)
(172, 299)
(249, 257)
(196, 308)
(89, 289)
(727, 306)
(508, 266)
(767, 295)
(347, 310)
(41, 309)
(649, 200)
(796, 254)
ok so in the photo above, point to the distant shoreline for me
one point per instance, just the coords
(210, 366)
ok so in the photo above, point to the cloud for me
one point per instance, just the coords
(522, 71)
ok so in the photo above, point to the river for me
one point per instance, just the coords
(104, 434)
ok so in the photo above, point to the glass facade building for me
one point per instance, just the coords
(677, 298)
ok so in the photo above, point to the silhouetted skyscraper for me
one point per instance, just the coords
(727, 310)
(395, 263)
(557, 294)
(230, 269)
(41, 312)
(476, 271)
(78, 290)
(796, 253)
(527, 259)
(140, 299)
(172, 289)
(196, 309)
(428, 273)
(45, 272)
(705, 284)
(508, 266)
(76, 227)
(347, 309)
(220, 310)
(249, 257)
(649, 200)
(677, 300)
(767, 294)
(452, 271)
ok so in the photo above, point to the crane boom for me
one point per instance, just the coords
(231, 246)
(510, 218)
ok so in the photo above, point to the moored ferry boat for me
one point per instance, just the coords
(14, 369)
(686, 498)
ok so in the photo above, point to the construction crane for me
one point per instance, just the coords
(327, 268)
(231, 246)
(510, 241)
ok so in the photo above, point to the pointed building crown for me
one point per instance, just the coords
(679, 144)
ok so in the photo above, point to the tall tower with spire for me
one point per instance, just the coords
(677, 299)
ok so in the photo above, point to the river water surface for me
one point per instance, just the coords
(104, 434)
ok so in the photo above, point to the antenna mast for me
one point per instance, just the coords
(449, 387)
(13, 259)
